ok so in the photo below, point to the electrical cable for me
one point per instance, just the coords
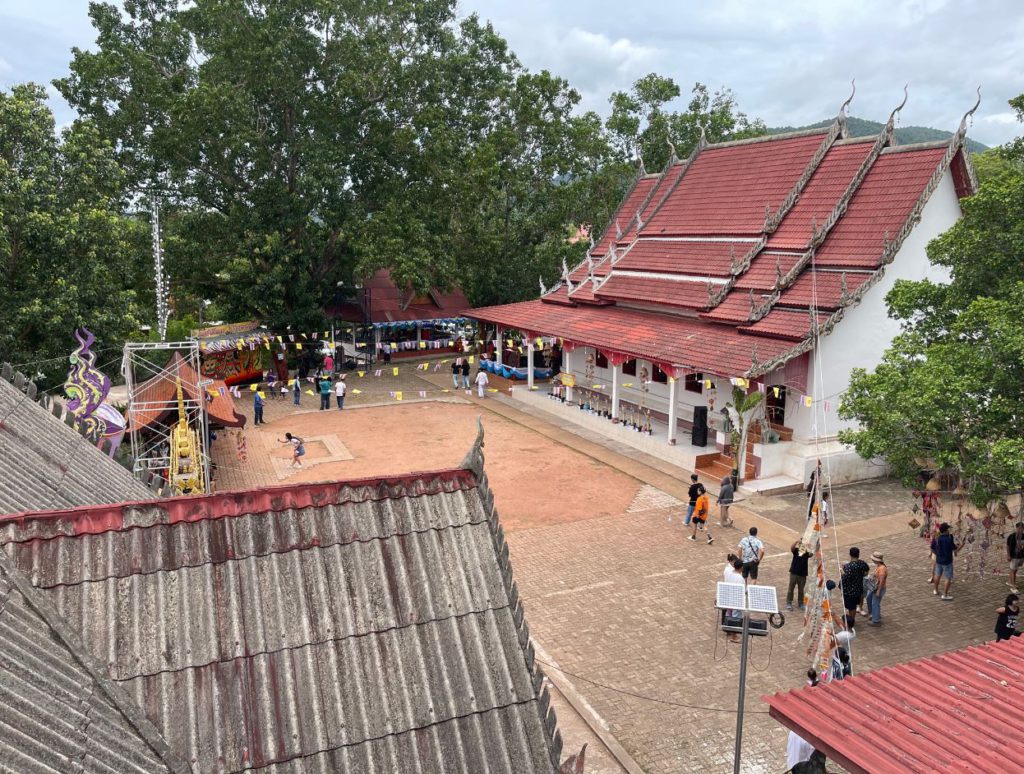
(643, 697)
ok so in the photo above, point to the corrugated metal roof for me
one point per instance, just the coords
(367, 626)
(58, 712)
(44, 463)
(958, 711)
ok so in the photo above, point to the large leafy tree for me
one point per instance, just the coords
(303, 143)
(949, 392)
(68, 255)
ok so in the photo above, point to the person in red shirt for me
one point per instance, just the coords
(701, 510)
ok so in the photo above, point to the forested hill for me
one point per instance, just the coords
(905, 135)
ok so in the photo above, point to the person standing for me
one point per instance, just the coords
(329, 364)
(386, 350)
(852, 583)
(325, 393)
(751, 552)
(877, 583)
(726, 493)
(257, 407)
(1006, 623)
(456, 370)
(339, 392)
(296, 391)
(797, 575)
(944, 548)
(1015, 553)
(694, 493)
(700, 515)
(481, 382)
(465, 372)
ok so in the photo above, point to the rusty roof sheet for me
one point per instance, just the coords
(959, 711)
(367, 626)
(44, 463)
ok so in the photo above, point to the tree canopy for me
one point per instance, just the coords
(948, 393)
(68, 254)
(301, 144)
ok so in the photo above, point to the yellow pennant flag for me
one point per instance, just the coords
(423, 345)
(520, 350)
(280, 338)
(540, 342)
(511, 343)
(492, 389)
(309, 392)
(239, 344)
(628, 384)
(398, 395)
(775, 391)
(394, 371)
(266, 345)
(361, 374)
(212, 391)
(326, 334)
(252, 387)
(298, 345)
(291, 382)
(470, 358)
(356, 391)
(445, 389)
(262, 396)
(444, 361)
(808, 401)
(707, 384)
(394, 345)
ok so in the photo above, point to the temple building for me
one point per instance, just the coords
(760, 263)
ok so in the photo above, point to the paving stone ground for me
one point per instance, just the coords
(613, 592)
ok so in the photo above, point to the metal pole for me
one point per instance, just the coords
(743, 692)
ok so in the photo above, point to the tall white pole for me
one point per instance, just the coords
(738, 751)
(672, 421)
(616, 370)
(162, 289)
(529, 362)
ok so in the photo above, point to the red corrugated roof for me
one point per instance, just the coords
(726, 188)
(820, 195)
(626, 211)
(880, 205)
(662, 338)
(961, 711)
(685, 294)
(672, 256)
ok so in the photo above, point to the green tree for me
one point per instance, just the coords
(948, 392)
(68, 255)
(641, 124)
(302, 143)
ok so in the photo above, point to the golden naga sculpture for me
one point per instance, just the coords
(186, 465)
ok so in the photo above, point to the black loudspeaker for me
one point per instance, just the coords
(699, 434)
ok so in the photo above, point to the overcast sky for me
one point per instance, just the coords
(789, 62)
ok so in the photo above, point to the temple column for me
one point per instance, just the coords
(498, 347)
(529, 362)
(567, 362)
(419, 335)
(672, 410)
(376, 343)
(616, 371)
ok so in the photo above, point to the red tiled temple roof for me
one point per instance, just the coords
(819, 197)
(726, 188)
(953, 712)
(626, 211)
(760, 214)
(385, 302)
(697, 258)
(671, 340)
(880, 206)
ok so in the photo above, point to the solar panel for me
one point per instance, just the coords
(762, 599)
(729, 596)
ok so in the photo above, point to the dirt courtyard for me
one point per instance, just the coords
(536, 481)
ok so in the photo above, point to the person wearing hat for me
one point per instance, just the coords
(876, 584)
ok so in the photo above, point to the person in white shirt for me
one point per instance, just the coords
(481, 382)
(339, 393)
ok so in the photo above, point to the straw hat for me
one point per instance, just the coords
(877, 557)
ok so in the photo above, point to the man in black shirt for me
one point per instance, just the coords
(1015, 553)
(852, 581)
(797, 576)
(694, 494)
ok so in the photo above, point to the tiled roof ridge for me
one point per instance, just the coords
(474, 462)
(771, 137)
(118, 697)
(916, 146)
(60, 411)
(955, 145)
(96, 519)
(737, 270)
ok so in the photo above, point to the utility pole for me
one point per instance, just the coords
(162, 285)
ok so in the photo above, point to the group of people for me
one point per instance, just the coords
(461, 369)
(698, 509)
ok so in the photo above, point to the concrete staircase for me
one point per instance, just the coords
(717, 465)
